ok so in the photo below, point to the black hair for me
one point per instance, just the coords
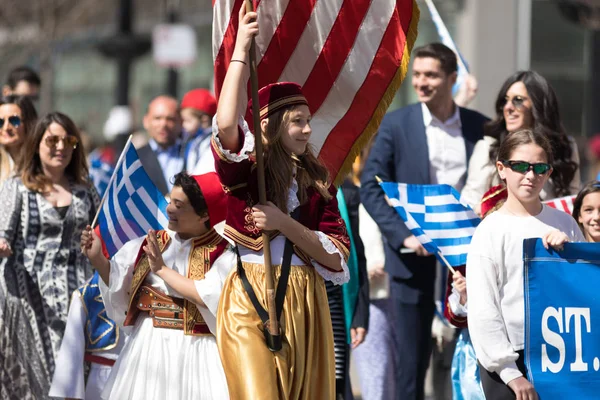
(440, 52)
(22, 73)
(193, 192)
(592, 187)
(546, 115)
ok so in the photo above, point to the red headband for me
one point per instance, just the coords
(215, 196)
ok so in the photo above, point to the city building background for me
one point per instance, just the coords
(496, 37)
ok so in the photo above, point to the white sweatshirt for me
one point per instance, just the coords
(495, 283)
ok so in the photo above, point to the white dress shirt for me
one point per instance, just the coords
(447, 151)
(171, 160)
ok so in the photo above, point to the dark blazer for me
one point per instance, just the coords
(400, 154)
(153, 168)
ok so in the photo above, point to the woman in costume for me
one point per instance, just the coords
(525, 101)
(163, 289)
(42, 213)
(17, 120)
(297, 184)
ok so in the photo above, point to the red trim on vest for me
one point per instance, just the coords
(89, 357)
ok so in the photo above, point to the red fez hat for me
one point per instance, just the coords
(275, 97)
(215, 196)
(201, 100)
(493, 199)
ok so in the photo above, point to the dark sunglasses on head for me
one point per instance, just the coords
(523, 167)
(68, 141)
(517, 101)
(14, 120)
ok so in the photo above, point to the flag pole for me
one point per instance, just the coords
(441, 256)
(273, 323)
(112, 178)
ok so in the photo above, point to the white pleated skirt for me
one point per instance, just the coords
(159, 363)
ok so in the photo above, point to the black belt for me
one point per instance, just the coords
(273, 341)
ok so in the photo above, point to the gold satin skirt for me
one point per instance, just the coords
(305, 366)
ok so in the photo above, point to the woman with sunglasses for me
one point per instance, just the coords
(525, 101)
(495, 263)
(43, 211)
(17, 119)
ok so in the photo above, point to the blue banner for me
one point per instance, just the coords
(562, 319)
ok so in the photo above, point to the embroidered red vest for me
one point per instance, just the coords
(205, 251)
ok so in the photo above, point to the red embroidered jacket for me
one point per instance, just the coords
(241, 183)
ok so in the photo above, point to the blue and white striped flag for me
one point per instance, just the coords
(435, 215)
(446, 38)
(132, 204)
(100, 173)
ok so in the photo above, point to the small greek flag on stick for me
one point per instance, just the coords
(435, 215)
(131, 204)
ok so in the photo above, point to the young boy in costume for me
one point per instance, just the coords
(165, 288)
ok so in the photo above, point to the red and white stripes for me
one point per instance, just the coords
(562, 203)
(350, 57)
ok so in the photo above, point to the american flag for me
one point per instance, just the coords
(562, 203)
(131, 206)
(437, 218)
(350, 57)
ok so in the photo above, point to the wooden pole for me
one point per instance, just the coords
(273, 324)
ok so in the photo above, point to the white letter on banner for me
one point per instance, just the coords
(578, 365)
(553, 339)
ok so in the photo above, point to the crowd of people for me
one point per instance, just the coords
(180, 313)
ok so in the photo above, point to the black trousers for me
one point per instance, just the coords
(412, 336)
(494, 388)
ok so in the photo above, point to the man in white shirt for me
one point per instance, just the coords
(425, 143)
(163, 155)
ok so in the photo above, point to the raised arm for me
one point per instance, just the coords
(228, 109)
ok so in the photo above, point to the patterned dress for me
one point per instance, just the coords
(36, 282)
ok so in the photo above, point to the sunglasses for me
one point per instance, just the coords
(68, 141)
(517, 102)
(14, 120)
(523, 167)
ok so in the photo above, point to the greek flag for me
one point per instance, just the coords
(445, 38)
(435, 215)
(100, 173)
(132, 204)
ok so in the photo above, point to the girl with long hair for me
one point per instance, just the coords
(43, 210)
(495, 263)
(17, 119)
(525, 101)
(315, 238)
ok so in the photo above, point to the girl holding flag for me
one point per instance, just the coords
(495, 263)
(315, 239)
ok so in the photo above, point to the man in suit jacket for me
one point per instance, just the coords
(425, 143)
(163, 155)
